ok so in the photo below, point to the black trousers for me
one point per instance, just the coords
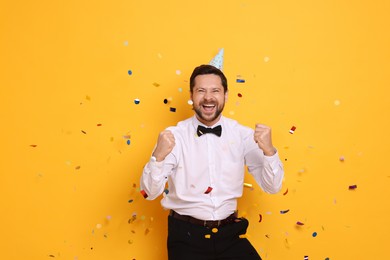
(188, 241)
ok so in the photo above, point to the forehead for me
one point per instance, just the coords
(208, 81)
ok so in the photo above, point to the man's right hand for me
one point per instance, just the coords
(165, 144)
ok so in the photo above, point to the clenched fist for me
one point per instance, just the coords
(263, 138)
(165, 144)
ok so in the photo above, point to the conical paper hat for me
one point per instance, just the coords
(217, 61)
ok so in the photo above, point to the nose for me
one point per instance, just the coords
(208, 95)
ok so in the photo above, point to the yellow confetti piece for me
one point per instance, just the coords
(214, 230)
(88, 98)
(242, 236)
(248, 185)
(156, 84)
(208, 236)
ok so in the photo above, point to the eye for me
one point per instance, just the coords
(201, 90)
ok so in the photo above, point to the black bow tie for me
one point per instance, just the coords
(205, 130)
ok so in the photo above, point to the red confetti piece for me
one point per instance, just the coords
(285, 192)
(209, 189)
(292, 129)
(300, 223)
(144, 194)
(99, 124)
(239, 95)
(260, 217)
(352, 187)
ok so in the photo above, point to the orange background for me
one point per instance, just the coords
(67, 107)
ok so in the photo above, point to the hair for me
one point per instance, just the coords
(205, 70)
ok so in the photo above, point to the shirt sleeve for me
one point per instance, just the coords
(267, 170)
(155, 175)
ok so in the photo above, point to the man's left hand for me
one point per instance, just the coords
(263, 138)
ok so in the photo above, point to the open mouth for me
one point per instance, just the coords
(208, 108)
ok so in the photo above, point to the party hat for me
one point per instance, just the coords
(217, 61)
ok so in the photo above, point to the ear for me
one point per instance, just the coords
(226, 96)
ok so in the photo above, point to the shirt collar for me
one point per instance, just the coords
(196, 122)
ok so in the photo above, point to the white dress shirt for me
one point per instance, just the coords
(197, 163)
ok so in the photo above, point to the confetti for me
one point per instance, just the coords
(300, 223)
(178, 72)
(33, 145)
(260, 217)
(285, 193)
(284, 211)
(208, 236)
(314, 234)
(130, 201)
(190, 102)
(337, 102)
(133, 218)
(242, 236)
(165, 101)
(78, 167)
(137, 101)
(83, 132)
(266, 59)
(51, 255)
(341, 158)
(214, 230)
(352, 187)
(166, 191)
(292, 129)
(99, 125)
(248, 185)
(156, 84)
(240, 80)
(144, 194)
(306, 257)
(209, 189)
(239, 95)
(130, 72)
(88, 98)
(128, 142)
(172, 109)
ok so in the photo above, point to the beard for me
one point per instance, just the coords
(209, 118)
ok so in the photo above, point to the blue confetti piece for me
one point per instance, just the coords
(240, 80)
(128, 142)
(172, 109)
(284, 211)
(314, 234)
(136, 101)
(166, 191)
(130, 72)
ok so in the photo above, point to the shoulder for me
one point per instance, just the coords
(181, 127)
(233, 124)
(236, 127)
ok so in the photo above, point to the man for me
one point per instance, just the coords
(203, 160)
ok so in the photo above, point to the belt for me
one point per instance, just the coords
(204, 223)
